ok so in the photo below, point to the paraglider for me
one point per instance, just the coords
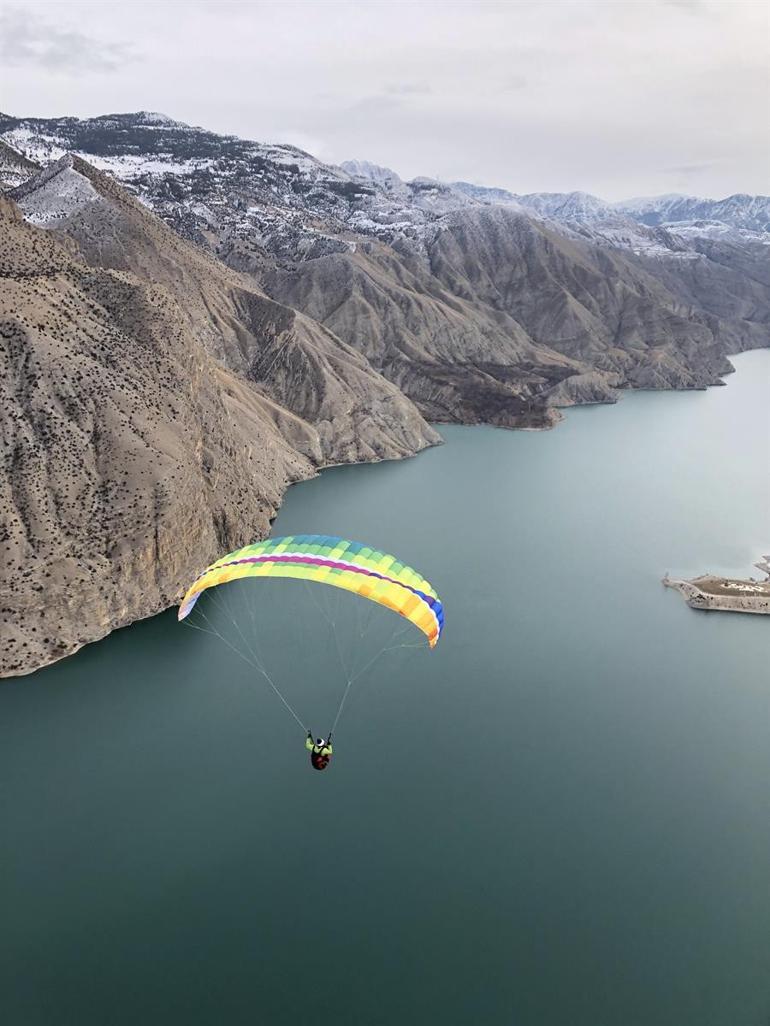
(320, 751)
(337, 562)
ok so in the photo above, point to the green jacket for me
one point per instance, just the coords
(313, 747)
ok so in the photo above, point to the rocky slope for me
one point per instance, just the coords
(15, 168)
(499, 318)
(128, 454)
(155, 406)
(357, 414)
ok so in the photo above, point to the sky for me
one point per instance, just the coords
(615, 98)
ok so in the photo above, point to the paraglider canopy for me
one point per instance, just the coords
(345, 564)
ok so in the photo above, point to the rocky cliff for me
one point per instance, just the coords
(142, 422)
(496, 317)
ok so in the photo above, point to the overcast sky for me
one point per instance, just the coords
(616, 98)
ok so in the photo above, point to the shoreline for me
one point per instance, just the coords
(107, 627)
(695, 597)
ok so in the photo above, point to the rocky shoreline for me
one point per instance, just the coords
(726, 594)
(153, 417)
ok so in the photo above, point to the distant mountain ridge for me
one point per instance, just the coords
(740, 210)
(363, 253)
(737, 211)
(136, 146)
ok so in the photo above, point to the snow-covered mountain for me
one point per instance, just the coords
(384, 177)
(478, 303)
(741, 211)
(229, 193)
(249, 199)
(15, 168)
(567, 206)
(486, 194)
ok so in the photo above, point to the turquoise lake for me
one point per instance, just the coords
(559, 817)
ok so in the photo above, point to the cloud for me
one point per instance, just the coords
(26, 39)
(514, 82)
(408, 89)
(689, 170)
(691, 6)
(379, 103)
(614, 99)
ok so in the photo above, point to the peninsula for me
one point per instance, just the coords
(727, 593)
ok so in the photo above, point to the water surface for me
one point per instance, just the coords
(560, 816)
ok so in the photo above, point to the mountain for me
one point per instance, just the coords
(486, 194)
(15, 168)
(246, 314)
(750, 214)
(214, 189)
(500, 319)
(384, 177)
(128, 453)
(741, 211)
(155, 406)
(174, 162)
(573, 298)
(254, 336)
(568, 206)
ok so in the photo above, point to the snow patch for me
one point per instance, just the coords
(58, 199)
(36, 146)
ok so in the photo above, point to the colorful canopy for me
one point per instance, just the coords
(335, 561)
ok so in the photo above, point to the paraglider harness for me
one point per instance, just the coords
(318, 759)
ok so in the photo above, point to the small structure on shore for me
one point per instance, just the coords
(728, 594)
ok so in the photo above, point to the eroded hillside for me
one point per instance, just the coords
(132, 455)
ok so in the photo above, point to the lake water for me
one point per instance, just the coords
(561, 817)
